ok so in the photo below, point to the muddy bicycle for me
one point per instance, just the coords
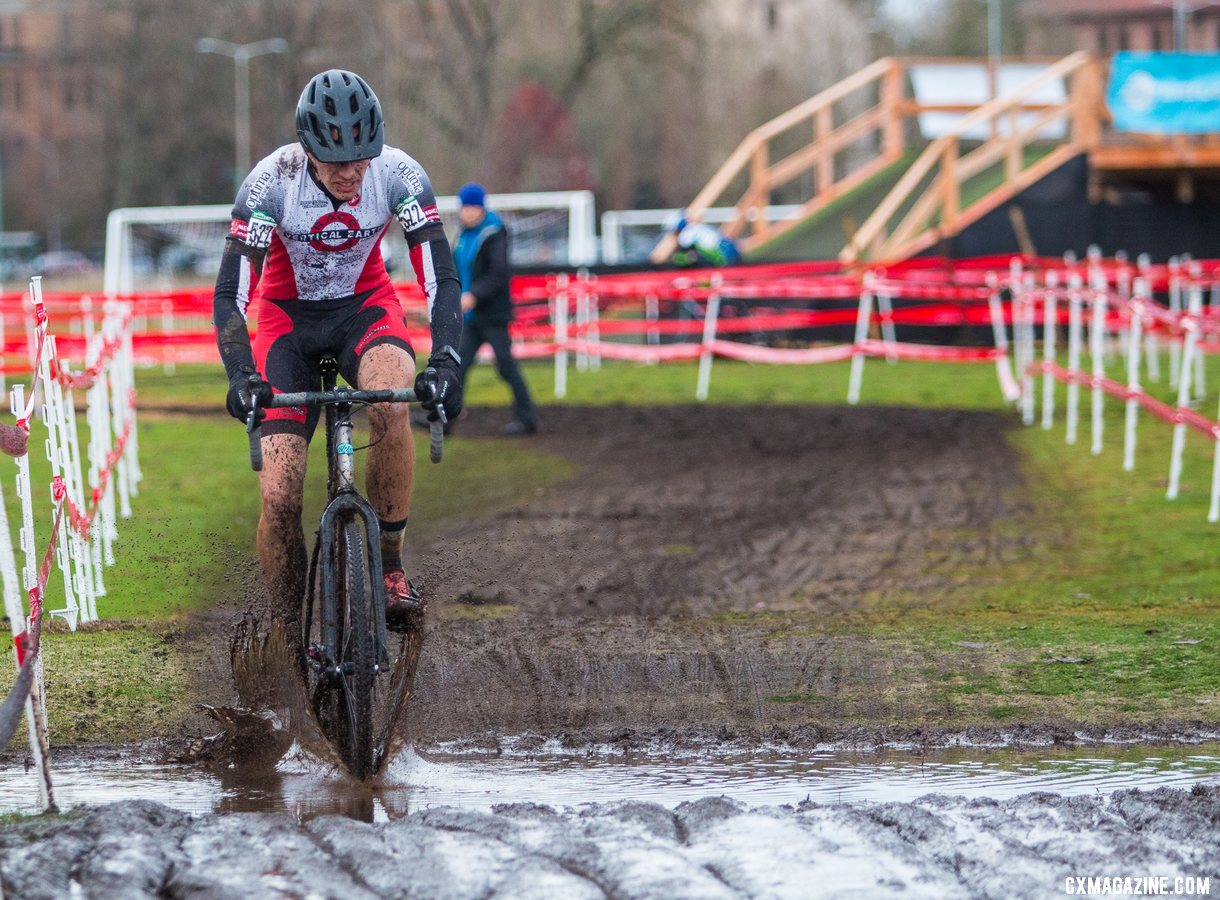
(355, 685)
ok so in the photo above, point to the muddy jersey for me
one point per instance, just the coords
(291, 241)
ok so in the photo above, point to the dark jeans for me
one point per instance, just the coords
(474, 335)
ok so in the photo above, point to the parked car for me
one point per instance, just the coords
(62, 262)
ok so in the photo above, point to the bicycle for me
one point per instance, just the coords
(344, 641)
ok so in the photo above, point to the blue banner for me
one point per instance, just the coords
(1165, 93)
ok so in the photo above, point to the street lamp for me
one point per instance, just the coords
(241, 55)
(994, 33)
(1182, 11)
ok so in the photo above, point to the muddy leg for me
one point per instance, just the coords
(391, 462)
(281, 539)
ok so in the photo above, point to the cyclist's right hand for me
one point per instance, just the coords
(246, 385)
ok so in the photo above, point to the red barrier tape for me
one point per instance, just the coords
(82, 522)
(943, 292)
(1174, 415)
(38, 591)
(782, 355)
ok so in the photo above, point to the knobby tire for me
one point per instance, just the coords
(355, 652)
(343, 707)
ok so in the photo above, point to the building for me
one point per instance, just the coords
(1107, 26)
(51, 83)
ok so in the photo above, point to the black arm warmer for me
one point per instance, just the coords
(232, 336)
(447, 306)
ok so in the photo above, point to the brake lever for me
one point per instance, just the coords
(437, 429)
(252, 429)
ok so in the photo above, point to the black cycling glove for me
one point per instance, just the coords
(244, 386)
(440, 384)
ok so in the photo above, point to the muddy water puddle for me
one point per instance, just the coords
(306, 789)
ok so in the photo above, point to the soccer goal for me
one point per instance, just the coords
(167, 247)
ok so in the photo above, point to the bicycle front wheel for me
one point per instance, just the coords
(355, 651)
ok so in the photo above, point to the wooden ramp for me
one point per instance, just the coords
(871, 188)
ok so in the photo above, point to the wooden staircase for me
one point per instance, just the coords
(844, 138)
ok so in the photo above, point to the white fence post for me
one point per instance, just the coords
(1175, 307)
(559, 317)
(1152, 345)
(1133, 373)
(1024, 314)
(1050, 329)
(652, 312)
(1097, 349)
(581, 321)
(1186, 369)
(1075, 325)
(863, 317)
(1009, 388)
(711, 318)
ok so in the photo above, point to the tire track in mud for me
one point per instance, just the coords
(632, 584)
(840, 505)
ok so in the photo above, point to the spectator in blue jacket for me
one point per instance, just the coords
(481, 255)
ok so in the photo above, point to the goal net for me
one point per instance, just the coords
(169, 247)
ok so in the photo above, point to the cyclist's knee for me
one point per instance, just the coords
(385, 366)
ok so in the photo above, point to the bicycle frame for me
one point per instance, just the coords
(344, 505)
(344, 650)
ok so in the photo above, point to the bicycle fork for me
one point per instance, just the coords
(347, 506)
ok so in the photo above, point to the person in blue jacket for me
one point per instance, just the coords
(481, 255)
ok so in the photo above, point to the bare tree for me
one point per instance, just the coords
(638, 99)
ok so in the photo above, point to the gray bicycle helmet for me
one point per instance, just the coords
(339, 118)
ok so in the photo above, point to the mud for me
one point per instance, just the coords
(705, 510)
(664, 597)
(672, 582)
(688, 585)
(935, 847)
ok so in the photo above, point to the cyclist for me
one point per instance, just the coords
(699, 243)
(305, 238)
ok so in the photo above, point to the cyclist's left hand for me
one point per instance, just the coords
(441, 384)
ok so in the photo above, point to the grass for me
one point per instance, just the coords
(1116, 577)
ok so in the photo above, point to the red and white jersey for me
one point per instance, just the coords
(319, 248)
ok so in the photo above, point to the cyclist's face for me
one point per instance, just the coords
(342, 180)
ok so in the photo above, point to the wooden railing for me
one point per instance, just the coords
(926, 204)
(752, 158)
(837, 158)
